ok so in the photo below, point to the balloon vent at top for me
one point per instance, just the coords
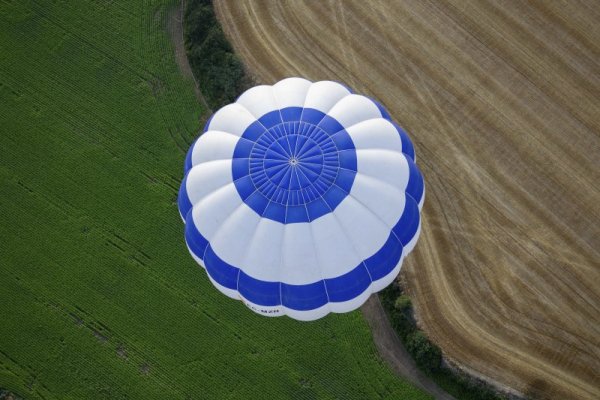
(301, 199)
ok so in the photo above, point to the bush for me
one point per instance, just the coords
(219, 72)
(403, 304)
(401, 320)
(427, 355)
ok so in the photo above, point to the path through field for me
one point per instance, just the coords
(393, 352)
(175, 28)
(502, 101)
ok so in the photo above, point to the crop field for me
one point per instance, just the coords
(502, 100)
(99, 298)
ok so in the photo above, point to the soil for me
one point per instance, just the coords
(393, 351)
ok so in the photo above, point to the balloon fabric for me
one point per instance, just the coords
(301, 198)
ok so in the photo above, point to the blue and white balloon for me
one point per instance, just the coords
(301, 199)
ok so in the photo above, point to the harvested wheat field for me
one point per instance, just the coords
(502, 100)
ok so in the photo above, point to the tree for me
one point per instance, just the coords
(427, 355)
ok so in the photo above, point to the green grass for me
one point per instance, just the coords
(99, 298)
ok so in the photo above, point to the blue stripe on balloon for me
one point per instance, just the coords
(334, 196)
(243, 148)
(254, 131)
(312, 116)
(296, 214)
(245, 187)
(258, 202)
(330, 125)
(183, 201)
(406, 227)
(224, 274)
(207, 124)
(187, 165)
(240, 167)
(327, 165)
(415, 186)
(348, 286)
(382, 110)
(407, 146)
(291, 139)
(259, 292)
(291, 114)
(271, 119)
(342, 140)
(317, 208)
(385, 260)
(348, 159)
(345, 179)
(275, 211)
(304, 297)
(194, 239)
(310, 296)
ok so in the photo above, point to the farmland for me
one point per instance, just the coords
(98, 296)
(501, 99)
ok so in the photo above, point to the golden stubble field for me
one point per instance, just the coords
(502, 100)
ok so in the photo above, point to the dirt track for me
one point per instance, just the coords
(502, 100)
(175, 30)
(393, 352)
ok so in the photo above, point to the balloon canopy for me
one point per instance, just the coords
(301, 199)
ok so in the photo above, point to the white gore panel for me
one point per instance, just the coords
(324, 95)
(214, 145)
(291, 92)
(366, 232)
(204, 179)
(353, 109)
(308, 315)
(381, 198)
(376, 133)
(385, 165)
(334, 252)
(210, 213)
(235, 234)
(258, 100)
(299, 264)
(233, 118)
(263, 258)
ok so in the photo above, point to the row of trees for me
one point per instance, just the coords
(426, 354)
(217, 69)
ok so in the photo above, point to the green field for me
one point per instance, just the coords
(99, 298)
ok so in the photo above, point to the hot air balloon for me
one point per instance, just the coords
(301, 199)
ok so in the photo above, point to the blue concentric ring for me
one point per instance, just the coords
(294, 165)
